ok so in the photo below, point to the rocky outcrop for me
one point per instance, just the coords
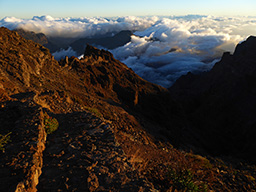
(220, 103)
(108, 78)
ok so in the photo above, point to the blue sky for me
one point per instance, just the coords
(81, 8)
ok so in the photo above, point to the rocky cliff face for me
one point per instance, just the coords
(220, 103)
(115, 131)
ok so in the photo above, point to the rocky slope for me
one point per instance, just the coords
(220, 104)
(116, 131)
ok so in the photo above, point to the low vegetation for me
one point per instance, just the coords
(184, 180)
(4, 139)
(94, 111)
(51, 124)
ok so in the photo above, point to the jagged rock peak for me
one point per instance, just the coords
(91, 51)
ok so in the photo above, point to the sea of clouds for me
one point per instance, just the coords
(162, 48)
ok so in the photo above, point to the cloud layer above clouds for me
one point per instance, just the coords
(162, 49)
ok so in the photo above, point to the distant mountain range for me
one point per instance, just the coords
(113, 42)
(77, 44)
(39, 38)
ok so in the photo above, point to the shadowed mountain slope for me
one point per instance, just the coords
(220, 104)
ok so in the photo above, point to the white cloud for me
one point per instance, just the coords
(78, 27)
(175, 46)
(63, 53)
